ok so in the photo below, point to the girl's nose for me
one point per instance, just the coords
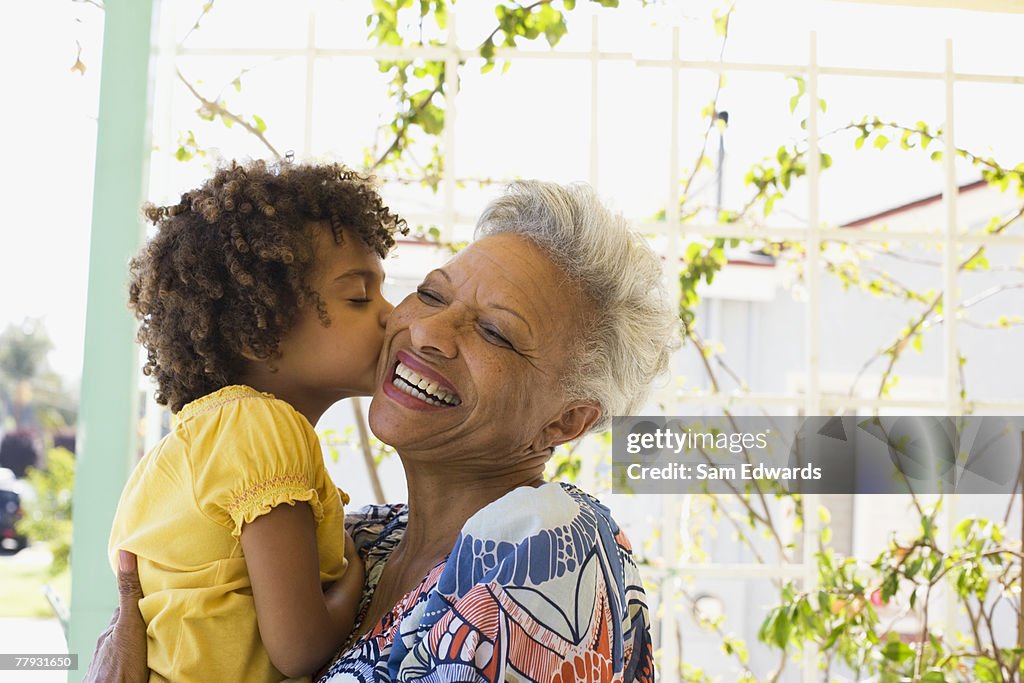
(385, 311)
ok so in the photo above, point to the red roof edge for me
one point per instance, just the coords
(867, 220)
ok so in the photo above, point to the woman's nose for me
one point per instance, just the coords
(435, 333)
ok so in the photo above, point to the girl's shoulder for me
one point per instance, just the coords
(242, 400)
(237, 438)
(238, 414)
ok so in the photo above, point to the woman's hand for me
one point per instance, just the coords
(120, 655)
(345, 595)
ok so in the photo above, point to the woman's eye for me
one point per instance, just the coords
(495, 336)
(428, 297)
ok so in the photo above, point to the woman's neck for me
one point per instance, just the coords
(440, 503)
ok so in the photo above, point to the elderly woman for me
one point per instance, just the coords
(549, 323)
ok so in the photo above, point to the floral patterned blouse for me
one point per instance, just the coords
(540, 586)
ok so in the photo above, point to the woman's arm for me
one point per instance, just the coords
(120, 655)
(300, 625)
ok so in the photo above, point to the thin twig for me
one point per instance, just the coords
(714, 113)
(897, 346)
(207, 6)
(217, 109)
(404, 130)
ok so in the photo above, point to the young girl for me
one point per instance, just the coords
(260, 306)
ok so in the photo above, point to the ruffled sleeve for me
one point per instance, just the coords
(251, 454)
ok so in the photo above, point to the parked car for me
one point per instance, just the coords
(11, 490)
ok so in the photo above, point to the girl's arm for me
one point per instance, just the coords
(301, 627)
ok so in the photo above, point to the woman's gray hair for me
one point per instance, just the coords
(634, 331)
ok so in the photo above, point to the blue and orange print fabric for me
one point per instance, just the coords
(540, 586)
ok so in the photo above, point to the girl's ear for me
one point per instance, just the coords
(574, 421)
(251, 356)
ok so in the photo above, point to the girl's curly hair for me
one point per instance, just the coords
(227, 270)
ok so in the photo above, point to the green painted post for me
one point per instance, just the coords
(108, 416)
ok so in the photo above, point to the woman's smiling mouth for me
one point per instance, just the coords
(416, 383)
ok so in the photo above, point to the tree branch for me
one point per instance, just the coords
(217, 109)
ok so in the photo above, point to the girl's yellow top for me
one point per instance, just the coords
(233, 455)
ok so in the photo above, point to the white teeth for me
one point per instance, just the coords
(415, 385)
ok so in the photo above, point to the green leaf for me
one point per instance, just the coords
(431, 119)
(783, 627)
(551, 22)
(897, 651)
(859, 142)
(977, 262)
(261, 125)
(913, 568)
(832, 637)
(801, 88)
(936, 155)
(487, 49)
(721, 20)
(441, 14)
(881, 141)
(889, 586)
(986, 670)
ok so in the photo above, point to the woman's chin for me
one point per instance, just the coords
(403, 420)
(385, 421)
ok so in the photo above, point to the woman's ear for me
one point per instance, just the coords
(574, 421)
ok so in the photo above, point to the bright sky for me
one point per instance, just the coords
(532, 121)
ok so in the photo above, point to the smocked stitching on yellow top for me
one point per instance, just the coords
(278, 489)
(222, 397)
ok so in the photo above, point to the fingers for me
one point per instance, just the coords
(110, 627)
(121, 649)
(128, 586)
(350, 548)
